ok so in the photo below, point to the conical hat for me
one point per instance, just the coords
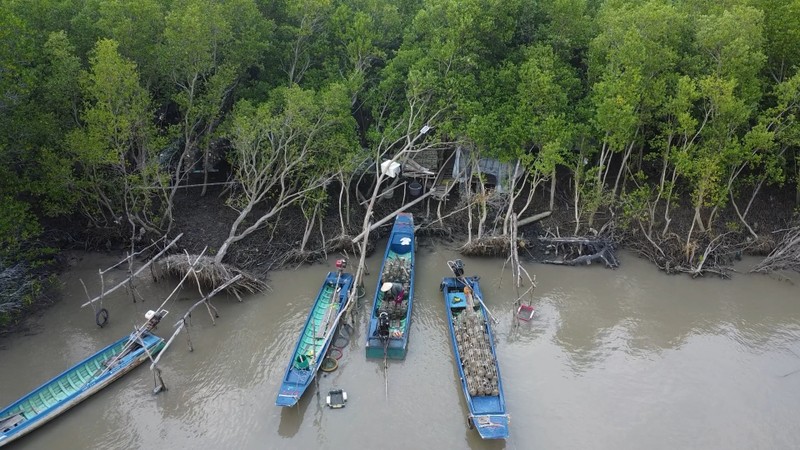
(386, 286)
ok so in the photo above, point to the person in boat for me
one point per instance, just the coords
(468, 297)
(393, 292)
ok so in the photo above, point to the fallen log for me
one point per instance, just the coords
(534, 218)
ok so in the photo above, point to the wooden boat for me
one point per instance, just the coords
(473, 345)
(387, 337)
(316, 337)
(76, 384)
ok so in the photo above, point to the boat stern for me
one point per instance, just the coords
(491, 426)
(396, 349)
(288, 395)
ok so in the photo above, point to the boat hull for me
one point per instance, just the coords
(315, 338)
(398, 258)
(487, 410)
(66, 390)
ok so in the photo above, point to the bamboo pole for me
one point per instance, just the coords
(104, 293)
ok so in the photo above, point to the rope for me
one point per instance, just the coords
(386, 366)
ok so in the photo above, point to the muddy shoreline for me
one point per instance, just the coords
(205, 222)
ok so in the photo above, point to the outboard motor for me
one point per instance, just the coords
(383, 325)
(153, 318)
(457, 267)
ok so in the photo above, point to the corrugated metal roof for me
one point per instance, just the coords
(499, 170)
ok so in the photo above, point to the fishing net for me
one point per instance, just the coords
(335, 353)
(397, 270)
(346, 330)
(472, 338)
(340, 342)
(343, 336)
(329, 364)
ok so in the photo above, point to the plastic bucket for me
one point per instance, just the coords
(414, 188)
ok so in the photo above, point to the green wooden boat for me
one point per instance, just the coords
(76, 384)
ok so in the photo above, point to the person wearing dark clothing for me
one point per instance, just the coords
(393, 292)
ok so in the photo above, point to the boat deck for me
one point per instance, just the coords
(487, 405)
(313, 339)
(74, 385)
(397, 346)
(64, 386)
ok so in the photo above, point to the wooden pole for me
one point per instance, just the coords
(102, 294)
(182, 322)
(135, 254)
(391, 216)
(534, 218)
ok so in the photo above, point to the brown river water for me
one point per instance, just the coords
(625, 359)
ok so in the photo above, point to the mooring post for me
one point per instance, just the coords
(188, 338)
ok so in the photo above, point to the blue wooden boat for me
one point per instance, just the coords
(76, 384)
(473, 345)
(387, 336)
(316, 337)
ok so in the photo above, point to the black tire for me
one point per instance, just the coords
(101, 318)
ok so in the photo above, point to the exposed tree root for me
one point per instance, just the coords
(15, 284)
(785, 256)
(580, 250)
(298, 257)
(705, 255)
(209, 273)
(487, 246)
(342, 243)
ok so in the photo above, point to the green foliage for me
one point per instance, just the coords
(706, 93)
(116, 146)
(782, 35)
(295, 138)
(138, 27)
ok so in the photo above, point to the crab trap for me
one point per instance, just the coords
(336, 399)
(525, 312)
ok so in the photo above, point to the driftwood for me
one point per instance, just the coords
(588, 250)
(517, 270)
